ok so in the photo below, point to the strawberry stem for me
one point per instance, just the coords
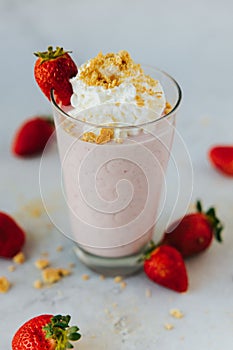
(51, 54)
(215, 223)
(150, 248)
(59, 330)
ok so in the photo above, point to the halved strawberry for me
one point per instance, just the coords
(46, 332)
(221, 157)
(12, 236)
(32, 136)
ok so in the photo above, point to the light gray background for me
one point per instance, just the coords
(192, 40)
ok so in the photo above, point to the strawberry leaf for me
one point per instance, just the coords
(199, 206)
(147, 253)
(59, 330)
(51, 54)
(215, 223)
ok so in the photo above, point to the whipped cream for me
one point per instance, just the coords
(127, 95)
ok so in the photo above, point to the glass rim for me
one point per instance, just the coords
(95, 125)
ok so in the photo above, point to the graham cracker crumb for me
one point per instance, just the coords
(19, 258)
(45, 254)
(4, 284)
(118, 279)
(35, 208)
(71, 265)
(96, 71)
(139, 100)
(11, 268)
(38, 284)
(51, 275)
(59, 248)
(168, 326)
(64, 272)
(148, 293)
(105, 135)
(85, 277)
(168, 108)
(42, 263)
(119, 140)
(123, 284)
(176, 313)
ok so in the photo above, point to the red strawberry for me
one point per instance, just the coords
(45, 332)
(12, 236)
(194, 233)
(166, 267)
(32, 136)
(221, 157)
(53, 70)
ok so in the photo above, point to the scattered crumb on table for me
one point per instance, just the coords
(123, 284)
(118, 279)
(51, 275)
(148, 293)
(85, 277)
(168, 326)
(4, 284)
(176, 313)
(42, 263)
(11, 268)
(38, 284)
(19, 258)
(59, 248)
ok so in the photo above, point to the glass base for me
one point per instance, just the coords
(120, 266)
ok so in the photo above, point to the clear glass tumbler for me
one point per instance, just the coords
(113, 189)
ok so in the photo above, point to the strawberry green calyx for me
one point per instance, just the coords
(215, 223)
(59, 330)
(149, 249)
(51, 54)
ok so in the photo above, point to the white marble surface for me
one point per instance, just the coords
(192, 41)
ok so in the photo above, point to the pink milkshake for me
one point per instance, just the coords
(114, 143)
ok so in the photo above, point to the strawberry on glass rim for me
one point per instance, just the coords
(46, 332)
(53, 70)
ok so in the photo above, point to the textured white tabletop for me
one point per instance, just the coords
(192, 40)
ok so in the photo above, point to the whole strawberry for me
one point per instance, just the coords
(165, 266)
(194, 233)
(46, 332)
(53, 70)
(32, 136)
(12, 236)
(221, 157)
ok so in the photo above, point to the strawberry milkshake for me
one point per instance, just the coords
(114, 142)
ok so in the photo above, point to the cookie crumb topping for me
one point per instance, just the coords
(105, 135)
(103, 70)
